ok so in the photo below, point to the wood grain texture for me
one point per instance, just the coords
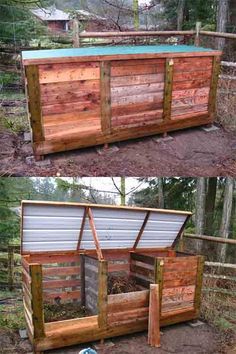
(154, 336)
(169, 71)
(105, 87)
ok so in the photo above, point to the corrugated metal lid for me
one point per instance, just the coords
(52, 226)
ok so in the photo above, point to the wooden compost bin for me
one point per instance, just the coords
(101, 241)
(89, 96)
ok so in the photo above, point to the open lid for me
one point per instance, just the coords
(53, 226)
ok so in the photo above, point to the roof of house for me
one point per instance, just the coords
(83, 15)
(51, 14)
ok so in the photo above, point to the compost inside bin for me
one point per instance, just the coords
(67, 311)
(117, 284)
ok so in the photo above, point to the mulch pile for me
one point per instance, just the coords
(121, 284)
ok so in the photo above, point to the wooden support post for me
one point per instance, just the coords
(181, 243)
(141, 230)
(168, 89)
(105, 87)
(10, 267)
(102, 293)
(198, 290)
(154, 338)
(82, 228)
(76, 39)
(213, 88)
(34, 102)
(37, 300)
(197, 35)
(82, 280)
(95, 236)
(158, 277)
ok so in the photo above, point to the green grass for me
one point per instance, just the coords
(11, 313)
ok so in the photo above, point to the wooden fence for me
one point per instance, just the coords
(8, 265)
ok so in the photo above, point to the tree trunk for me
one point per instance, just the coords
(122, 190)
(226, 215)
(160, 193)
(136, 14)
(210, 205)
(222, 17)
(232, 13)
(180, 14)
(200, 210)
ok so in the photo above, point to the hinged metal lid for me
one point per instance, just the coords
(53, 226)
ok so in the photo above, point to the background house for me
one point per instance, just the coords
(55, 19)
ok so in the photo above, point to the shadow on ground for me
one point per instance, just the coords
(191, 152)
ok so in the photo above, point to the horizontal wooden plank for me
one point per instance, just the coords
(117, 267)
(182, 293)
(79, 106)
(122, 302)
(182, 305)
(180, 274)
(186, 76)
(187, 281)
(151, 98)
(67, 72)
(177, 94)
(127, 315)
(179, 111)
(72, 129)
(140, 119)
(142, 258)
(191, 84)
(142, 271)
(192, 64)
(71, 97)
(122, 63)
(74, 117)
(65, 87)
(80, 323)
(58, 271)
(63, 295)
(137, 80)
(134, 108)
(56, 284)
(136, 89)
(191, 115)
(136, 70)
(51, 259)
(140, 280)
(190, 101)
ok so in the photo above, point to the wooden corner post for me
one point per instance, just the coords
(37, 300)
(158, 278)
(102, 293)
(213, 88)
(105, 86)
(199, 280)
(154, 338)
(34, 102)
(169, 73)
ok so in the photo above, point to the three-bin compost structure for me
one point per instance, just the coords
(89, 96)
(70, 254)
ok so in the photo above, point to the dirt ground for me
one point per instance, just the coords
(179, 339)
(191, 152)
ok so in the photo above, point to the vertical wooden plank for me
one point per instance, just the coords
(141, 230)
(34, 102)
(169, 73)
(37, 300)
(102, 293)
(154, 337)
(10, 267)
(158, 277)
(213, 88)
(199, 279)
(105, 91)
(94, 232)
(82, 280)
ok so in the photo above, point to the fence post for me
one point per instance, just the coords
(37, 300)
(76, 39)
(197, 37)
(10, 267)
(198, 290)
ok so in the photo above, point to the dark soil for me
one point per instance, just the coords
(60, 312)
(192, 152)
(121, 284)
